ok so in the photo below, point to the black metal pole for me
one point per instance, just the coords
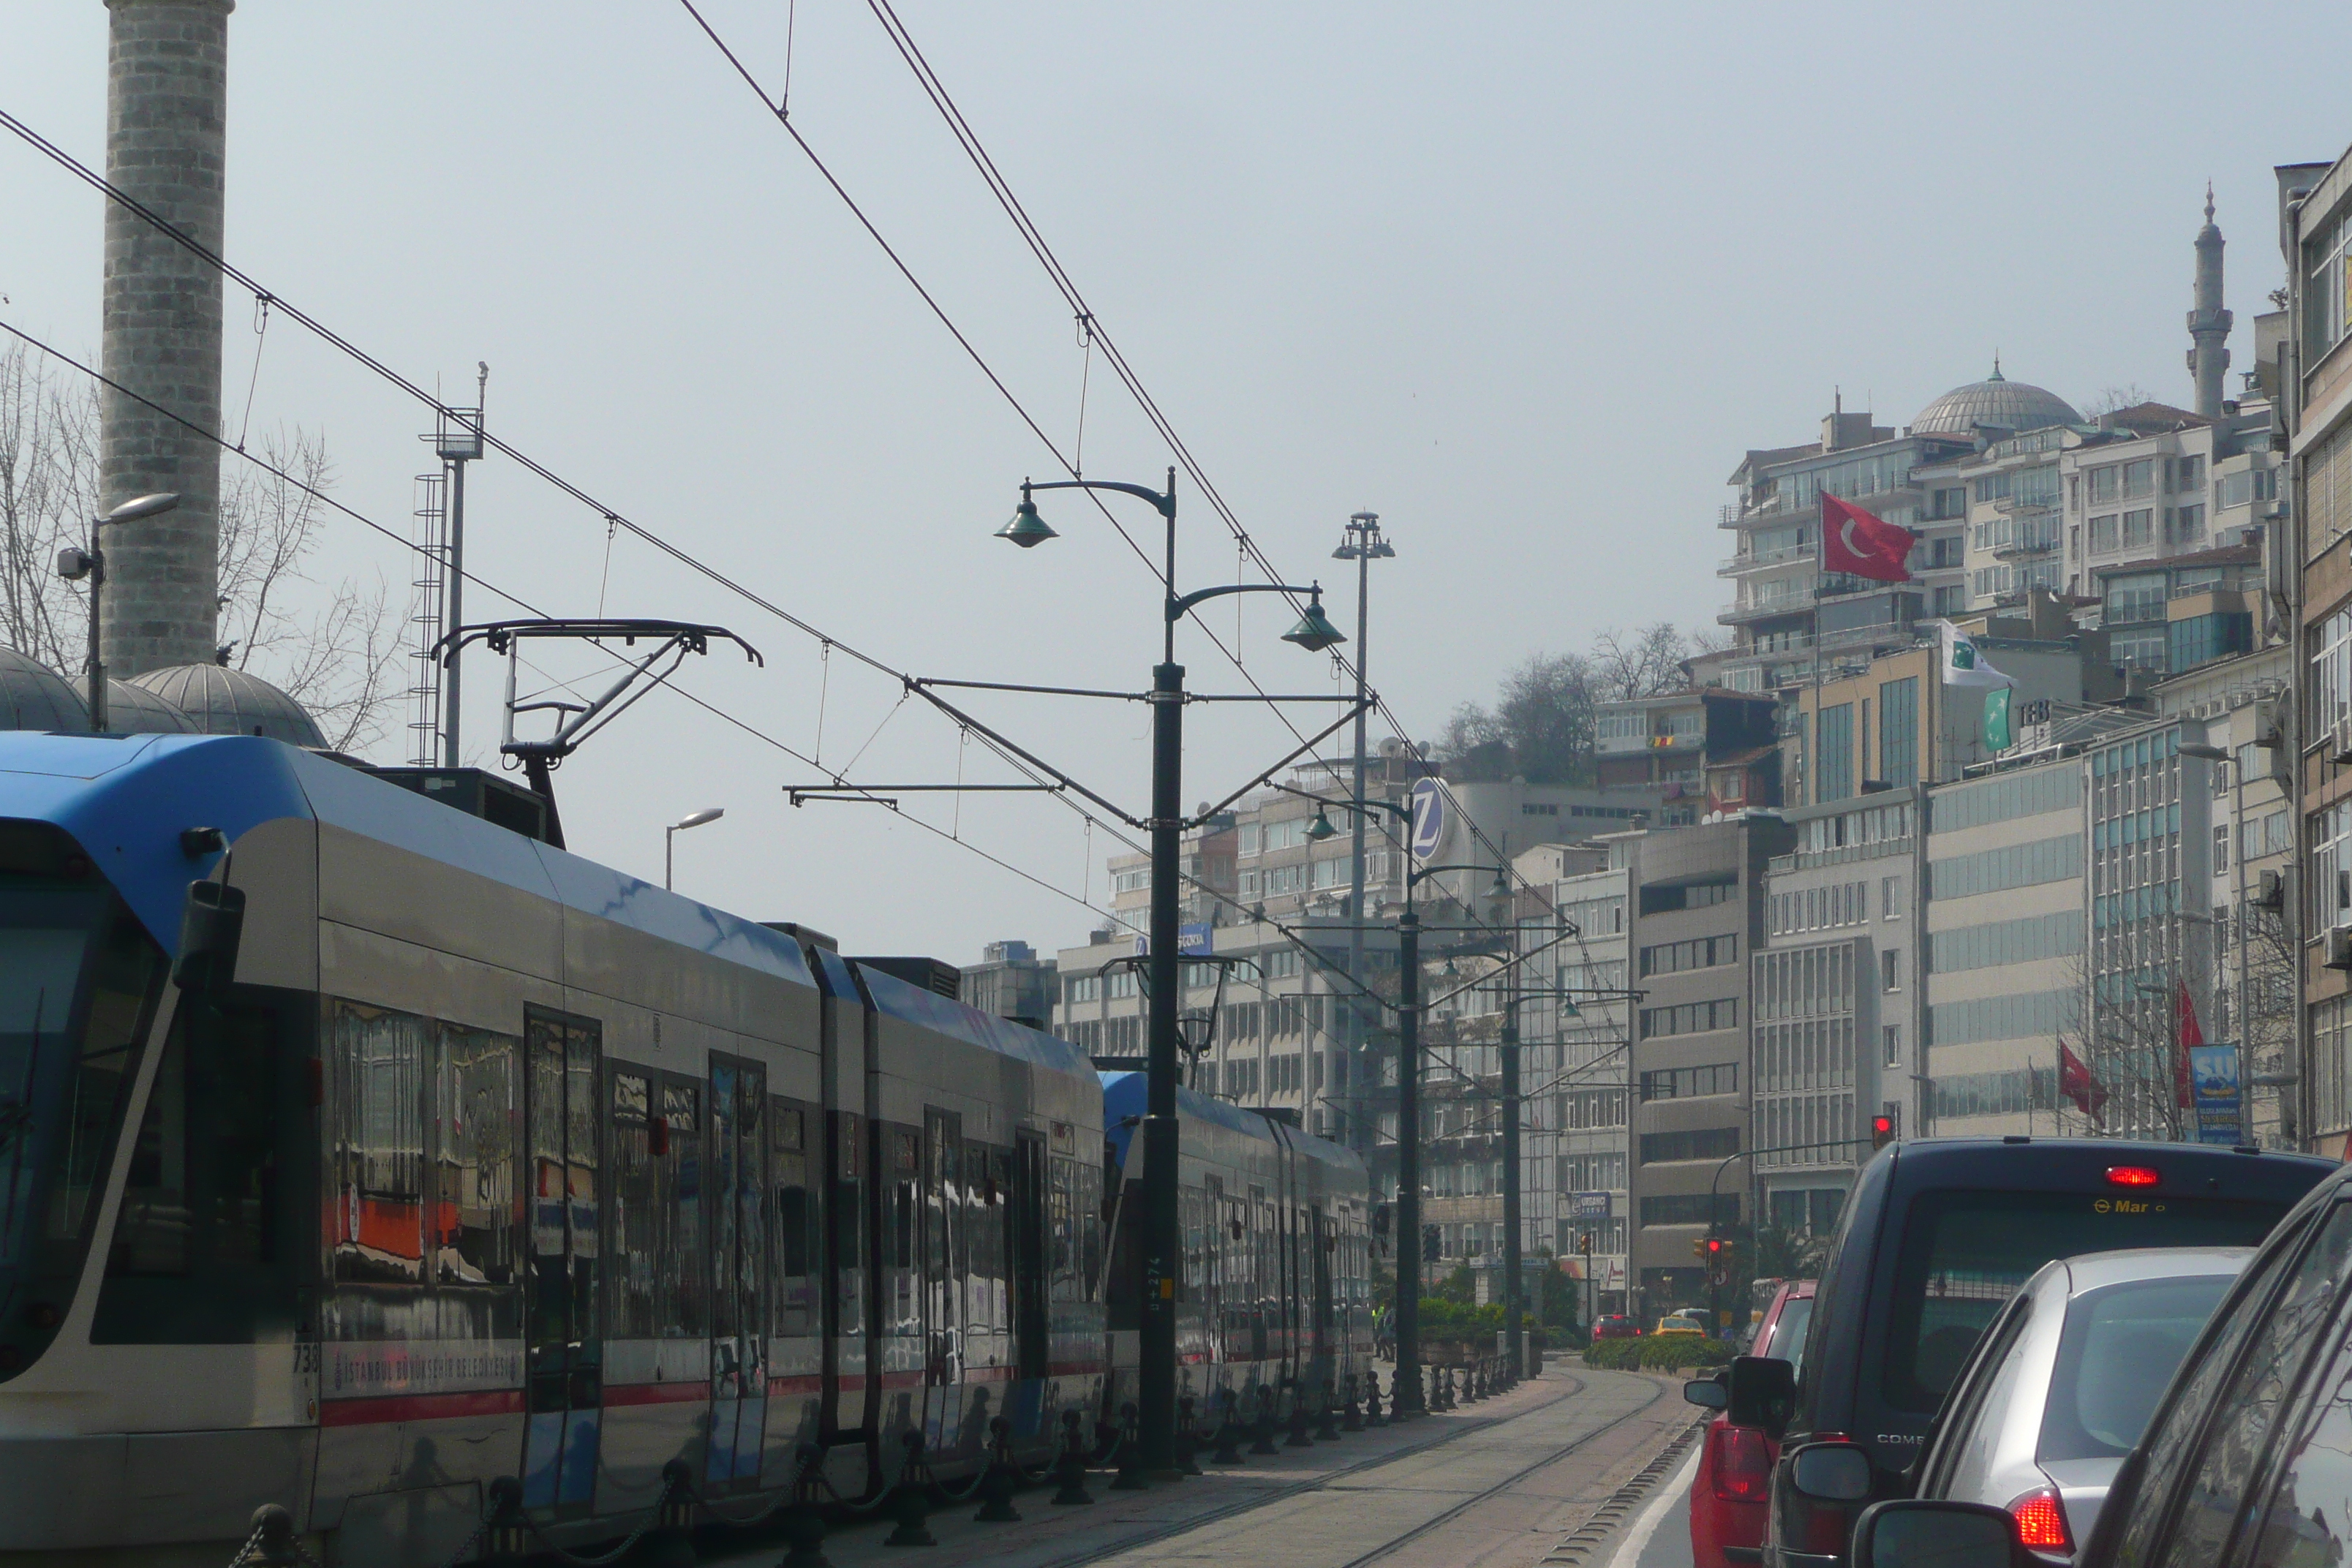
(1514, 1335)
(1408, 1248)
(1156, 1341)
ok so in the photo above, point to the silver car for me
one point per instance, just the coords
(2062, 1384)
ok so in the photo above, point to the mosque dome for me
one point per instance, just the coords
(134, 711)
(220, 701)
(1995, 401)
(35, 697)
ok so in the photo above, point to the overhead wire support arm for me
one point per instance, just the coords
(884, 794)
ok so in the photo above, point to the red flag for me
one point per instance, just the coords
(1854, 541)
(2187, 1035)
(2075, 1082)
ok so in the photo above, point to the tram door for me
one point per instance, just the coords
(739, 1273)
(1024, 1219)
(1322, 1243)
(943, 1266)
(565, 1354)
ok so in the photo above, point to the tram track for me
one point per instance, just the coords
(1309, 1485)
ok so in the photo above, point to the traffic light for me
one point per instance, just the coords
(1584, 1243)
(1886, 1126)
(1716, 1248)
(1433, 1244)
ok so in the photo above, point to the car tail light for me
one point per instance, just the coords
(2042, 1522)
(1743, 1464)
(2133, 1175)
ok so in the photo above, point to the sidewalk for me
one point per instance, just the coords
(1494, 1485)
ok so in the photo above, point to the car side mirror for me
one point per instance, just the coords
(1913, 1533)
(1707, 1394)
(1830, 1472)
(1762, 1393)
(212, 926)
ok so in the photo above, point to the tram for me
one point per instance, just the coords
(357, 1152)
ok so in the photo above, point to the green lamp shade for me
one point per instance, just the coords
(1314, 631)
(1320, 828)
(1026, 530)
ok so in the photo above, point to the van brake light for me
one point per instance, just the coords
(2042, 1522)
(2133, 1175)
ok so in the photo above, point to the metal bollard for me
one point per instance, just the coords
(270, 1544)
(1373, 1415)
(1131, 1477)
(911, 1505)
(1228, 1432)
(1351, 1418)
(1441, 1389)
(670, 1543)
(1473, 1381)
(1396, 1411)
(1265, 1443)
(805, 1519)
(1327, 1429)
(1299, 1438)
(509, 1541)
(996, 1487)
(1072, 1466)
(1188, 1441)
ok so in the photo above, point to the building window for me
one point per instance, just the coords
(1898, 731)
(1890, 898)
(1703, 1144)
(2140, 479)
(1700, 953)
(2327, 293)
(1691, 1208)
(1686, 1083)
(2103, 487)
(1890, 972)
(2188, 524)
(1690, 1018)
(2139, 527)
(2103, 532)
(1836, 769)
(1892, 1036)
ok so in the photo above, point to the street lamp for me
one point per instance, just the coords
(73, 565)
(1162, 1224)
(1361, 542)
(669, 836)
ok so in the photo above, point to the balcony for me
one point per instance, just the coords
(1747, 561)
(1764, 607)
(2028, 549)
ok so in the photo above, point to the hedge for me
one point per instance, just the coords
(1663, 1352)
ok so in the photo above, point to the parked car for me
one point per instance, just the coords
(1615, 1326)
(1735, 1463)
(1934, 1238)
(2062, 1384)
(2247, 1458)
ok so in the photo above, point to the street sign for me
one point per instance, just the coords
(2213, 1073)
(1196, 939)
(1430, 812)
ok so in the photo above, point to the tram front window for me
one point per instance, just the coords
(77, 977)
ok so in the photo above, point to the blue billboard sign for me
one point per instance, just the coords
(1431, 811)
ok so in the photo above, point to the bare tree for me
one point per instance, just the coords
(1645, 662)
(2111, 398)
(48, 470)
(335, 648)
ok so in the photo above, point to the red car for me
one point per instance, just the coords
(1735, 1468)
(1615, 1326)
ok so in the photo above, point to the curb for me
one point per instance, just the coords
(1580, 1545)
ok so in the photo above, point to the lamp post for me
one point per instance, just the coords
(1161, 1229)
(1362, 544)
(669, 836)
(73, 565)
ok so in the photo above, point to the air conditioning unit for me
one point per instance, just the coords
(2270, 891)
(2339, 947)
(2339, 738)
(2266, 726)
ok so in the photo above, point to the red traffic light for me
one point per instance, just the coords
(1882, 1130)
(1715, 1246)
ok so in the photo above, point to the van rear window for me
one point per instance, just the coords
(1966, 1253)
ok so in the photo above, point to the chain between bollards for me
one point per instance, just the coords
(912, 1501)
(1265, 1443)
(1229, 1431)
(1187, 1440)
(1327, 1427)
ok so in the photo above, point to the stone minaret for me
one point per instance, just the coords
(167, 90)
(2208, 323)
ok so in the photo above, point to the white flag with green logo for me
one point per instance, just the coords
(1997, 733)
(1963, 665)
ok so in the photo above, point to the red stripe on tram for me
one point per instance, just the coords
(419, 1407)
(625, 1394)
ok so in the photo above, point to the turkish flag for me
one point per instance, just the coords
(2075, 1082)
(1856, 542)
(2188, 1037)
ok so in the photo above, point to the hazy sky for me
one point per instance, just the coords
(1526, 280)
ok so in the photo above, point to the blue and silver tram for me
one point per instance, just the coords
(1276, 1288)
(477, 1160)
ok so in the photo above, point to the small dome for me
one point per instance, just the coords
(1995, 401)
(135, 711)
(35, 697)
(220, 701)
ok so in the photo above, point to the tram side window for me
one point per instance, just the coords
(202, 1243)
(1062, 1230)
(901, 1213)
(685, 1263)
(799, 1240)
(1090, 1232)
(475, 1122)
(634, 1209)
(990, 1177)
(376, 1148)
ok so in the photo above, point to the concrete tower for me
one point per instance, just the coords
(2208, 324)
(167, 93)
